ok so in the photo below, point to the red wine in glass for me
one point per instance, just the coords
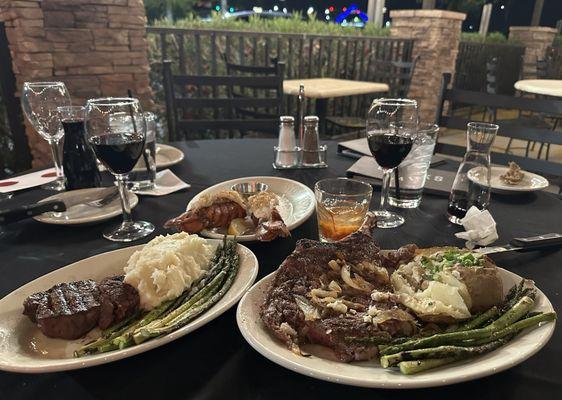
(119, 153)
(389, 149)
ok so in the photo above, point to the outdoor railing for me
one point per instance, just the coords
(197, 51)
(470, 71)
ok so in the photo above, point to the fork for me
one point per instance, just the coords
(103, 201)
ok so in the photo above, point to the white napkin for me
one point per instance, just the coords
(480, 228)
(27, 181)
(166, 182)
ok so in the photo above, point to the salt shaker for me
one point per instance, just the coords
(311, 142)
(286, 154)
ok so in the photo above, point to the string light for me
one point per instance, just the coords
(276, 8)
(284, 10)
(310, 10)
(502, 7)
(217, 7)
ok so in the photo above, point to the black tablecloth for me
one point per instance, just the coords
(215, 362)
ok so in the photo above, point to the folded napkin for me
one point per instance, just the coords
(166, 182)
(28, 180)
(480, 228)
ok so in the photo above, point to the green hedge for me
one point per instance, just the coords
(492, 37)
(295, 24)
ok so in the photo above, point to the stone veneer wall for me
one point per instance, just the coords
(96, 47)
(536, 39)
(437, 36)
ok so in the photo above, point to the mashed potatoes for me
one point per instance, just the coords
(166, 266)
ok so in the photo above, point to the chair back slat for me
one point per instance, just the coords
(226, 102)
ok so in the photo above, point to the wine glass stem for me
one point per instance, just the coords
(384, 188)
(57, 159)
(124, 195)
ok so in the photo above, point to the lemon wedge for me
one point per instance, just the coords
(240, 226)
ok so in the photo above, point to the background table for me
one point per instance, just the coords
(548, 87)
(322, 89)
(215, 362)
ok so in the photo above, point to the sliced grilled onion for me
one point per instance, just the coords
(310, 312)
(357, 282)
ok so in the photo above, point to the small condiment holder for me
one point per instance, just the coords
(301, 156)
(310, 153)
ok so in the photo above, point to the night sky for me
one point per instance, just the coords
(515, 12)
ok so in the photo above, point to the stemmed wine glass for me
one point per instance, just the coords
(391, 127)
(40, 101)
(116, 129)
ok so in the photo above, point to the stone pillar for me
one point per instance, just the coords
(437, 36)
(536, 39)
(96, 47)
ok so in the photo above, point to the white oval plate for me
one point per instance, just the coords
(82, 213)
(369, 373)
(298, 201)
(167, 155)
(530, 183)
(23, 348)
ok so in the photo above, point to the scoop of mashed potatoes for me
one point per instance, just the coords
(166, 266)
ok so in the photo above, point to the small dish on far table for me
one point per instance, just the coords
(530, 182)
(167, 155)
(84, 213)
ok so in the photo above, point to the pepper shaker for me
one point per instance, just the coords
(311, 142)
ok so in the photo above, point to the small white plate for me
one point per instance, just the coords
(23, 348)
(297, 201)
(82, 213)
(370, 373)
(167, 155)
(530, 183)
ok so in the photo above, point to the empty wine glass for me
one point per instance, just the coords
(391, 127)
(40, 101)
(118, 146)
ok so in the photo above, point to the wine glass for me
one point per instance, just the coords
(116, 130)
(391, 127)
(40, 101)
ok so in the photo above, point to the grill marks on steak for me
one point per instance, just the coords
(70, 310)
(119, 300)
(302, 271)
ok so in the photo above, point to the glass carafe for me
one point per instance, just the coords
(472, 182)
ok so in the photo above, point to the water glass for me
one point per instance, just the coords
(40, 102)
(412, 172)
(143, 175)
(341, 207)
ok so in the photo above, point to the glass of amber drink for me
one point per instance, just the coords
(341, 207)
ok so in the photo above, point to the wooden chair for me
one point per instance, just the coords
(397, 74)
(551, 107)
(200, 106)
(277, 69)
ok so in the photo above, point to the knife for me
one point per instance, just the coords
(524, 244)
(15, 214)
